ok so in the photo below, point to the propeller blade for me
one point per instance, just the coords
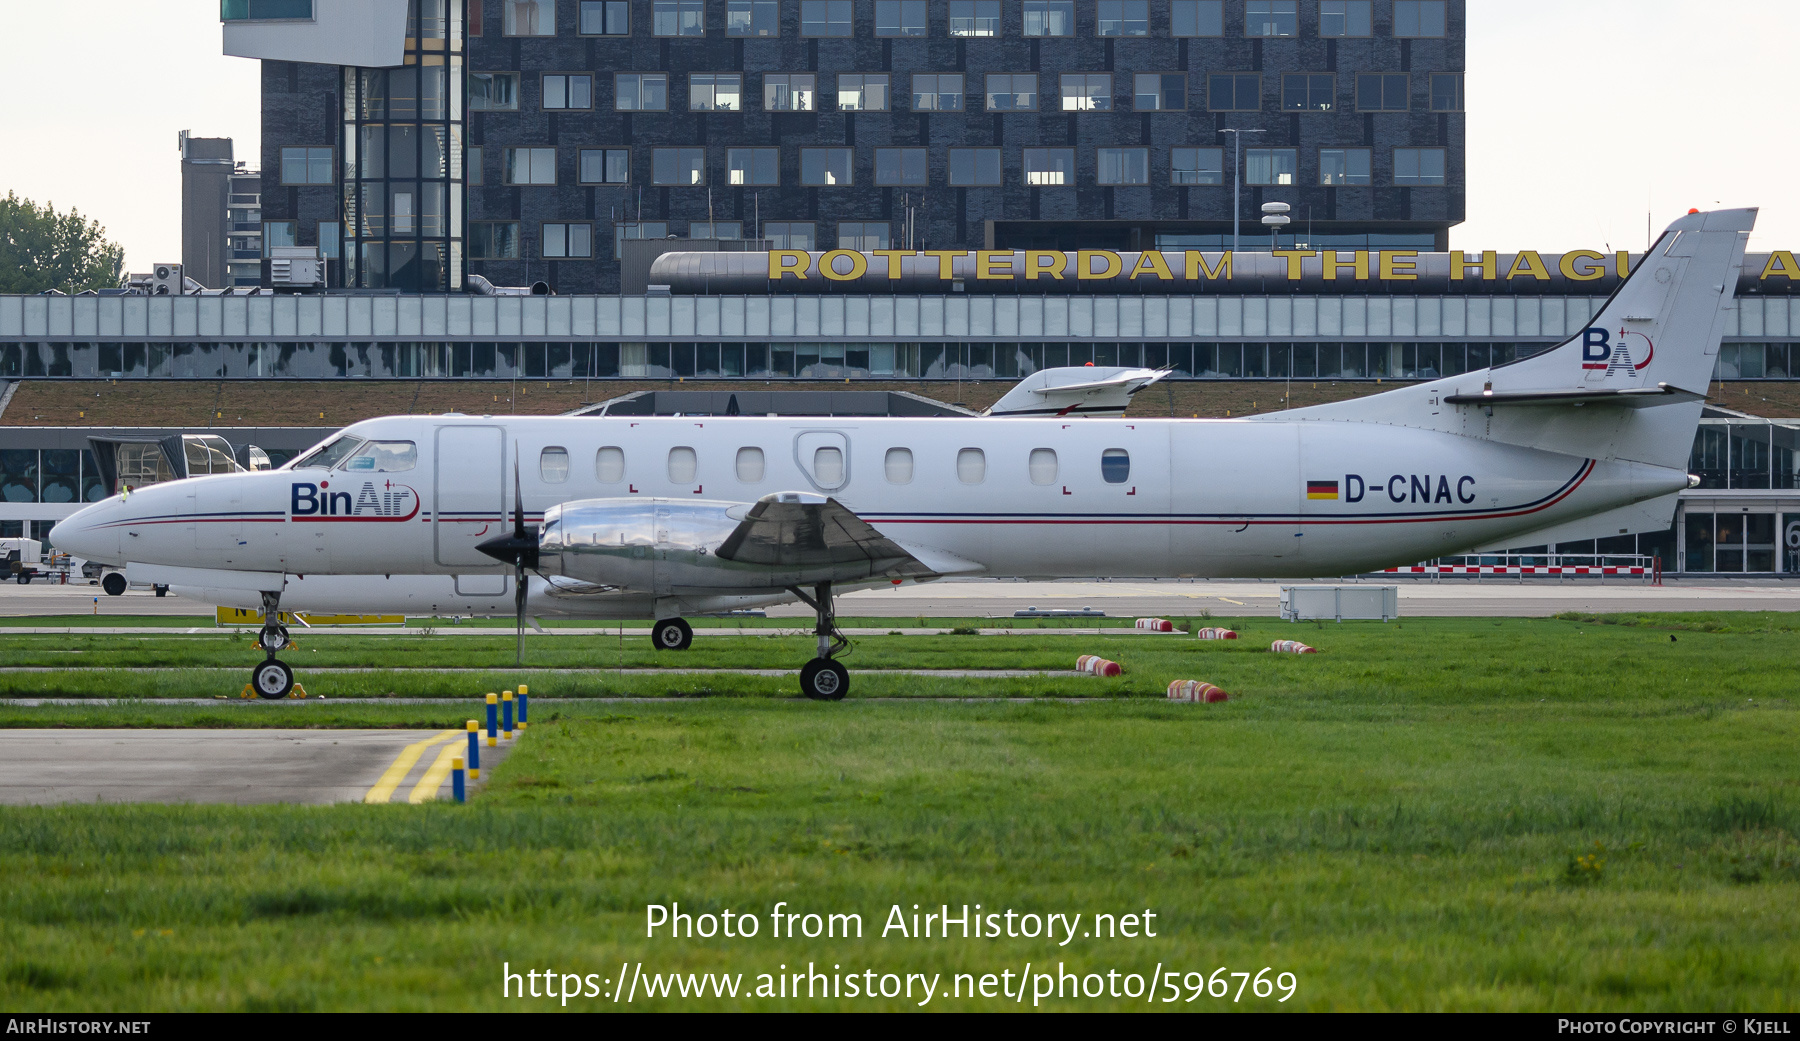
(519, 604)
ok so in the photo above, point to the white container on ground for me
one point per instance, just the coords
(1336, 603)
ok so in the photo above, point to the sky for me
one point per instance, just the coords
(1584, 115)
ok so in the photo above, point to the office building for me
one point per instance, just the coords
(221, 215)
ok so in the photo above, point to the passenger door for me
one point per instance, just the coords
(469, 494)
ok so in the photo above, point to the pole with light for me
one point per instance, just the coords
(1275, 218)
(1237, 180)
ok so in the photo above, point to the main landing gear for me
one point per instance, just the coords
(672, 634)
(824, 678)
(272, 680)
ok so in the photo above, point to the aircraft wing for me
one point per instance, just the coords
(801, 530)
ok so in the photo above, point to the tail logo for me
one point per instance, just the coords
(1599, 353)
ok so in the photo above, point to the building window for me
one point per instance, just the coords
(306, 166)
(753, 166)
(826, 167)
(568, 241)
(678, 166)
(636, 229)
(715, 92)
(1087, 92)
(862, 91)
(1197, 166)
(265, 10)
(562, 91)
(530, 166)
(937, 92)
(1419, 167)
(331, 239)
(723, 229)
(606, 166)
(529, 18)
(641, 91)
(1446, 92)
(1340, 18)
(1123, 18)
(788, 91)
(825, 18)
(493, 240)
(279, 233)
(1272, 18)
(604, 18)
(1197, 18)
(789, 234)
(1012, 92)
(899, 18)
(493, 92)
(1123, 165)
(1271, 166)
(475, 171)
(1382, 92)
(678, 18)
(1049, 17)
(1234, 92)
(863, 236)
(752, 18)
(902, 167)
(1050, 167)
(974, 167)
(1308, 92)
(1160, 91)
(1344, 166)
(1418, 18)
(974, 17)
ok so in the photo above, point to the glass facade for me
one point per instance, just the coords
(402, 170)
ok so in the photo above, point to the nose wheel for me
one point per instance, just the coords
(272, 680)
(824, 678)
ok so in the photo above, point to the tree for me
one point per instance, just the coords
(41, 249)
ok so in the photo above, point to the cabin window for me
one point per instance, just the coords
(1043, 466)
(750, 465)
(971, 466)
(898, 465)
(681, 466)
(553, 465)
(1115, 465)
(609, 465)
(828, 466)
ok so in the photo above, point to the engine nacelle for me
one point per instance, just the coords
(653, 545)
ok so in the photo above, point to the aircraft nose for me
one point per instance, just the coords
(85, 534)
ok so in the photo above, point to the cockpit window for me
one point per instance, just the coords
(384, 457)
(329, 454)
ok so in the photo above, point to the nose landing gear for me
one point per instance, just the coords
(272, 680)
(824, 678)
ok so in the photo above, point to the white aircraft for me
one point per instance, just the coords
(662, 518)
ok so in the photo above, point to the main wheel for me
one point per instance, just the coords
(672, 634)
(824, 680)
(161, 590)
(113, 584)
(272, 680)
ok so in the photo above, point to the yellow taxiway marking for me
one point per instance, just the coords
(1229, 600)
(427, 788)
(402, 765)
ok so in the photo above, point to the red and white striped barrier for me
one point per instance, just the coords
(1156, 625)
(1094, 665)
(1457, 569)
(1195, 690)
(1216, 634)
(1291, 647)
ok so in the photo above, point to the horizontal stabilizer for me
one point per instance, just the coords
(1623, 397)
(800, 530)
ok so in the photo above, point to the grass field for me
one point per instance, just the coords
(1573, 814)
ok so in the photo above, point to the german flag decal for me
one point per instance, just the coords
(1321, 489)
